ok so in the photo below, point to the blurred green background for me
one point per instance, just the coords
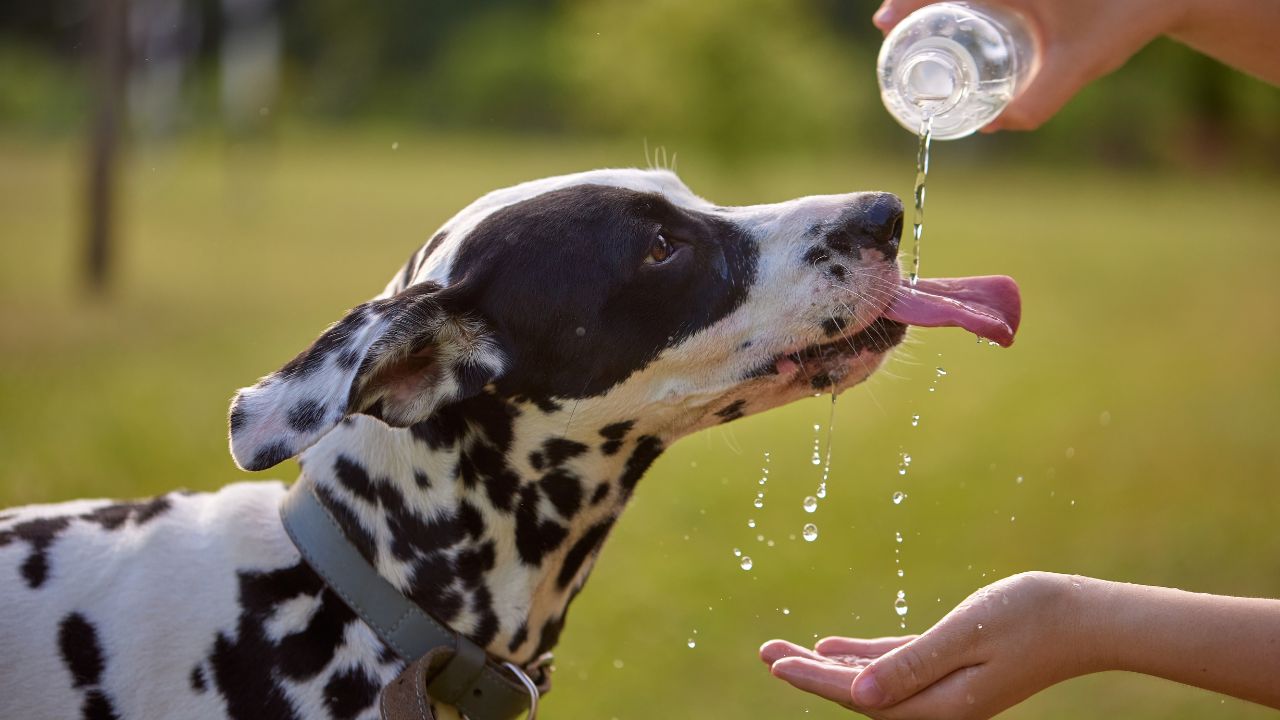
(1139, 406)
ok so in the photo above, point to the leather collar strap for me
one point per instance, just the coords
(468, 680)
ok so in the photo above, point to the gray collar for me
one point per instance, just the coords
(470, 681)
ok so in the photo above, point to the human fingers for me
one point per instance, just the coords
(860, 647)
(891, 12)
(822, 678)
(906, 670)
(775, 650)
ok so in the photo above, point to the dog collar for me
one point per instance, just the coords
(449, 668)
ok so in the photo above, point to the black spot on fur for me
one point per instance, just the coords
(618, 430)
(581, 549)
(237, 418)
(834, 326)
(349, 692)
(536, 460)
(547, 405)
(306, 415)
(472, 563)
(197, 679)
(97, 706)
(564, 491)
(837, 272)
(534, 537)
(244, 665)
(270, 456)
(337, 336)
(648, 448)
(602, 492)
(40, 534)
(471, 520)
(302, 655)
(517, 639)
(816, 255)
(351, 526)
(550, 635)
(611, 447)
(354, 477)
(558, 450)
(732, 411)
(81, 651)
(486, 620)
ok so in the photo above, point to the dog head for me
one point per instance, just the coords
(619, 291)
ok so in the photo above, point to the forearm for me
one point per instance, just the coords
(1240, 33)
(1226, 644)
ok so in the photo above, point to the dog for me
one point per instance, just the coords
(476, 429)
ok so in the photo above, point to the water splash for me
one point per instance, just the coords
(898, 497)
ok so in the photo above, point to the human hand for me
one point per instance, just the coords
(1003, 644)
(1079, 41)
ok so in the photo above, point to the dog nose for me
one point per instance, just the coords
(872, 221)
(882, 223)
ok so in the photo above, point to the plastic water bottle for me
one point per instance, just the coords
(956, 63)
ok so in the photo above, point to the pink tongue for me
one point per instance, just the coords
(987, 306)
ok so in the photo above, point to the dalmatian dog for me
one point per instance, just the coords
(476, 429)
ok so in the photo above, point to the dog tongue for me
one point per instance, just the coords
(988, 306)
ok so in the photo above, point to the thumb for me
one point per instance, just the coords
(892, 12)
(906, 670)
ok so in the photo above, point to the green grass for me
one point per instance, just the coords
(1147, 298)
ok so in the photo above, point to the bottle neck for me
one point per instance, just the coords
(935, 77)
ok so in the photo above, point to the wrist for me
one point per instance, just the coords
(1087, 614)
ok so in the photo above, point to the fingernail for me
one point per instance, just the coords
(866, 691)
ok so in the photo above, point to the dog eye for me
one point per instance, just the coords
(660, 250)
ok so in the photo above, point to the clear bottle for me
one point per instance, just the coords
(959, 63)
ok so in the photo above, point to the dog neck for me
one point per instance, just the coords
(490, 514)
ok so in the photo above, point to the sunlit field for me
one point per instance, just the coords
(1130, 433)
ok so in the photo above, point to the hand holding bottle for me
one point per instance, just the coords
(1079, 41)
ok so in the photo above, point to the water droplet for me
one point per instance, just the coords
(745, 563)
(395, 146)
(900, 604)
(1012, 518)
(810, 504)
(692, 643)
(932, 389)
(737, 552)
(900, 573)
(902, 471)
(822, 491)
(979, 626)
(759, 503)
(906, 458)
(786, 611)
(898, 497)
(810, 532)
(941, 372)
(1073, 502)
(581, 331)
(1018, 479)
(617, 664)
(915, 421)
(759, 538)
(764, 479)
(751, 523)
(770, 543)
(897, 536)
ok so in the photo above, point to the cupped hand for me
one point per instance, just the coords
(1003, 644)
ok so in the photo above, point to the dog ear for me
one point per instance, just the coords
(398, 358)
